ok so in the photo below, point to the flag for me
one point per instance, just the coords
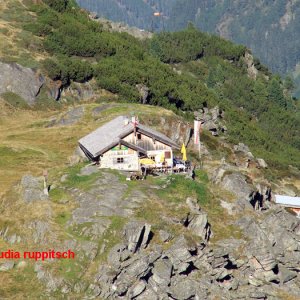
(197, 130)
(183, 151)
(135, 121)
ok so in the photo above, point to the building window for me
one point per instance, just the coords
(167, 154)
(139, 136)
(120, 160)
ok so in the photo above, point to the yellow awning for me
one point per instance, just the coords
(147, 161)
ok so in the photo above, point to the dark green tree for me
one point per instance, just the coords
(275, 93)
(58, 5)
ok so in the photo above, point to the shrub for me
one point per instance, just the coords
(58, 5)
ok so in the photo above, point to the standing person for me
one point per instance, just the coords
(192, 173)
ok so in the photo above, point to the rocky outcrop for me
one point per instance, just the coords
(242, 148)
(136, 235)
(211, 119)
(97, 111)
(197, 221)
(54, 88)
(71, 117)
(8, 265)
(238, 185)
(230, 269)
(32, 189)
(251, 69)
(22, 81)
(103, 200)
(80, 91)
(261, 163)
(144, 93)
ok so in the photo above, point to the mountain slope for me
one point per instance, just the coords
(185, 71)
(166, 236)
(269, 28)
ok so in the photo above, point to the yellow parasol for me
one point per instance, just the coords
(147, 161)
(183, 151)
(162, 157)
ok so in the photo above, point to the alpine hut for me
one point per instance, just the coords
(120, 143)
(292, 203)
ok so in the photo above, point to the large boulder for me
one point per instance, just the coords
(180, 254)
(184, 289)
(137, 235)
(238, 185)
(71, 117)
(22, 81)
(240, 147)
(197, 221)
(144, 92)
(162, 272)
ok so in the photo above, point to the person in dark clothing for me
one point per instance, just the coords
(268, 194)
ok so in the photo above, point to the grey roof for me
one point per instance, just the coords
(108, 135)
(160, 136)
(287, 201)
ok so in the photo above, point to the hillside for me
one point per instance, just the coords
(269, 28)
(100, 216)
(62, 75)
(83, 59)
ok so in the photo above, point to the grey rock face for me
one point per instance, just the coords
(79, 91)
(197, 220)
(230, 269)
(244, 149)
(54, 89)
(144, 92)
(184, 289)
(137, 235)
(71, 117)
(88, 170)
(137, 289)
(32, 189)
(286, 275)
(52, 283)
(261, 163)
(211, 120)
(237, 184)
(180, 254)
(104, 199)
(99, 109)
(118, 254)
(21, 81)
(218, 174)
(162, 272)
(165, 236)
(149, 294)
(41, 230)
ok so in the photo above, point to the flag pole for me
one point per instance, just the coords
(199, 145)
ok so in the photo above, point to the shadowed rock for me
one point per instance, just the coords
(137, 235)
(196, 221)
(238, 185)
(20, 80)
